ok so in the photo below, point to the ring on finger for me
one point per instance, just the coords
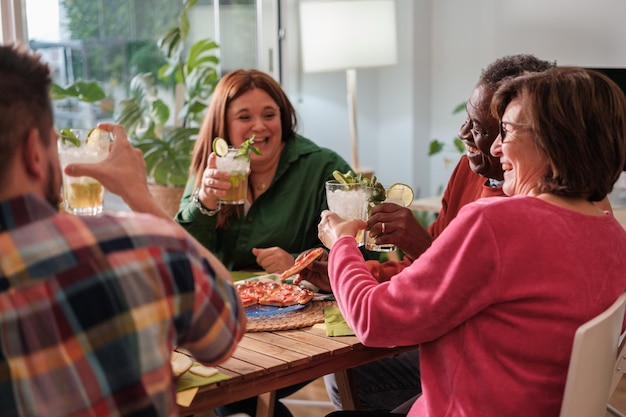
(383, 228)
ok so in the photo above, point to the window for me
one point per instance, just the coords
(110, 41)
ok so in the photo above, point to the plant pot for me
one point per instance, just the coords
(167, 197)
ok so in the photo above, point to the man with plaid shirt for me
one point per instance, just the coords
(91, 307)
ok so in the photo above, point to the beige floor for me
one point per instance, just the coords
(317, 405)
(618, 400)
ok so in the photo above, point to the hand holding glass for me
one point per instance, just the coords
(349, 201)
(237, 165)
(83, 196)
(393, 196)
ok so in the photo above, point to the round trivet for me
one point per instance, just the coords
(308, 316)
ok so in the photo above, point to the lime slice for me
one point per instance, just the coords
(340, 177)
(401, 192)
(220, 147)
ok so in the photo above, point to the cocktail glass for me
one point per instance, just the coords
(392, 196)
(83, 196)
(237, 164)
(349, 201)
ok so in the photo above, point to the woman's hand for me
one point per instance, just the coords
(332, 227)
(214, 184)
(273, 260)
(401, 228)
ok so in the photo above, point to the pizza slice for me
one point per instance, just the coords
(250, 292)
(272, 293)
(302, 263)
(286, 295)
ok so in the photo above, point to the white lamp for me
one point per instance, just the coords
(339, 35)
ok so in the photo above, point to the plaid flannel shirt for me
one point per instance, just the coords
(90, 308)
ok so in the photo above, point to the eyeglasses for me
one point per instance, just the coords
(503, 132)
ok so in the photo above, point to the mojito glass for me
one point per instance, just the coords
(349, 201)
(237, 164)
(393, 196)
(83, 196)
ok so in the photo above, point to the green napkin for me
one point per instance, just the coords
(335, 323)
(239, 275)
(189, 380)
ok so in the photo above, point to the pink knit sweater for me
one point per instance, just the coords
(493, 303)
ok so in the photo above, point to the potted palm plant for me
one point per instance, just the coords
(167, 145)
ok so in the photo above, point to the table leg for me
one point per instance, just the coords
(265, 404)
(347, 392)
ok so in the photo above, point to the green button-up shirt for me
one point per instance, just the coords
(285, 215)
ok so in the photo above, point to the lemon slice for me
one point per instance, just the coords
(97, 138)
(402, 192)
(220, 147)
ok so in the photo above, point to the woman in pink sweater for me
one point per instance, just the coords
(495, 301)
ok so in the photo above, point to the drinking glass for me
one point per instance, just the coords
(83, 196)
(349, 201)
(393, 196)
(237, 165)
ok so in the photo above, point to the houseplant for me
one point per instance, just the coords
(145, 115)
(437, 146)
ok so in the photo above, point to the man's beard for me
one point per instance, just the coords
(53, 188)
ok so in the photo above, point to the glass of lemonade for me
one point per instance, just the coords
(349, 201)
(83, 196)
(393, 196)
(237, 164)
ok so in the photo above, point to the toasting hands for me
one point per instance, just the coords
(401, 228)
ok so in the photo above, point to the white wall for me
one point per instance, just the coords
(443, 45)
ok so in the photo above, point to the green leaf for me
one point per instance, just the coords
(201, 53)
(200, 82)
(67, 136)
(142, 86)
(192, 108)
(459, 108)
(159, 112)
(183, 19)
(246, 147)
(435, 147)
(127, 113)
(57, 92)
(171, 44)
(179, 75)
(459, 145)
(87, 91)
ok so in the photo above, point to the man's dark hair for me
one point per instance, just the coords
(511, 66)
(24, 101)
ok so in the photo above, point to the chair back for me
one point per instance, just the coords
(592, 363)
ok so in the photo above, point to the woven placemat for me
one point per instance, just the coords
(312, 314)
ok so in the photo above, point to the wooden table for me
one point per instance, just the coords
(266, 361)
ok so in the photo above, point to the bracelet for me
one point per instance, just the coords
(201, 207)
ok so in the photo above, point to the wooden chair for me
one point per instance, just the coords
(619, 371)
(590, 376)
